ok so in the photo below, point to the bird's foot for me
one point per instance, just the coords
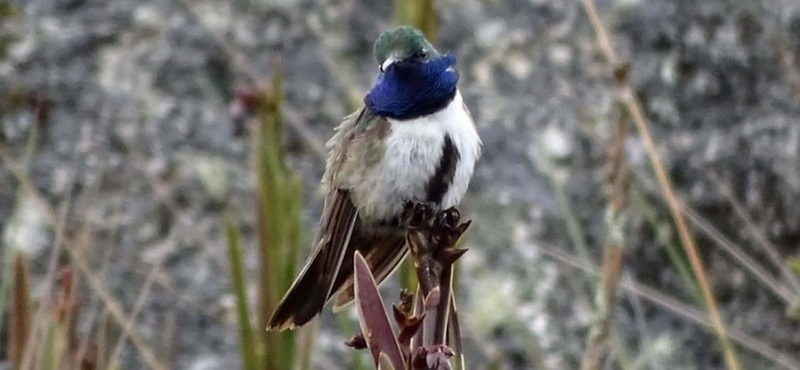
(441, 228)
(446, 223)
(419, 214)
(449, 226)
(449, 218)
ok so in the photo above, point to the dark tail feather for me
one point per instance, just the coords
(305, 298)
(382, 256)
(310, 291)
(315, 286)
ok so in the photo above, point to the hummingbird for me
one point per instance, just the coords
(413, 140)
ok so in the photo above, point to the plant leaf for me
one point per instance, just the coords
(20, 312)
(454, 330)
(373, 317)
(384, 363)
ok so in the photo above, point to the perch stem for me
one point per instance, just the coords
(432, 239)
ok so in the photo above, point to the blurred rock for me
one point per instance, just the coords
(27, 228)
(140, 90)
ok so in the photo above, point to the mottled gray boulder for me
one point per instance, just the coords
(138, 134)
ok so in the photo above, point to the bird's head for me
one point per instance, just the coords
(414, 79)
(403, 45)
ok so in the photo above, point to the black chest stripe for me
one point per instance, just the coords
(443, 177)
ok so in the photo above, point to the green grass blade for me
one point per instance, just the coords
(247, 340)
(418, 13)
(279, 225)
(675, 254)
(53, 348)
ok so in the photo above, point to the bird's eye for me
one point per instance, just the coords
(421, 54)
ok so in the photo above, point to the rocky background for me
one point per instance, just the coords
(135, 147)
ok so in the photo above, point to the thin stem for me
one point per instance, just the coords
(734, 250)
(678, 308)
(57, 221)
(761, 240)
(635, 110)
(595, 354)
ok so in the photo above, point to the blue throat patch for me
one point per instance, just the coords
(411, 89)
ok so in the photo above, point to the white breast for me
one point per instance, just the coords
(413, 152)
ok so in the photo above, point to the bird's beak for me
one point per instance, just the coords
(388, 62)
